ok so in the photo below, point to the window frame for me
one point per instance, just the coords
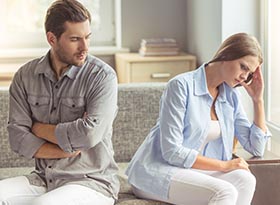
(265, 32)
(106, 36)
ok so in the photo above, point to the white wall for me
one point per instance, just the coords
(204, 28)
(240, 16)
(152, 19)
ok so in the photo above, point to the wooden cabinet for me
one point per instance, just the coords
(131, 67)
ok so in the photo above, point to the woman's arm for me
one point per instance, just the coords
(205, 163)
(255, 91)
(253, 137)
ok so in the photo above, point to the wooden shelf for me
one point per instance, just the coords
(132, 67)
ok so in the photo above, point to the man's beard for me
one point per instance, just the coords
(70, 60)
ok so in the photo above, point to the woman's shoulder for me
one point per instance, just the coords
(185, 80)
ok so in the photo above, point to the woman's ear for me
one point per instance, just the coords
(51, 38)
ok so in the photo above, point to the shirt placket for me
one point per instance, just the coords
(55, 109)
(50, 178)
(218, 108)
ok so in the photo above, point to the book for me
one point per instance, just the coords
(162, 53)
(158, 41)
(158, 47)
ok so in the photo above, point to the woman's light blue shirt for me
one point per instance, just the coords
(182, 127)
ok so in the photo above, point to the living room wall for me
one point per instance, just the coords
(210, 22)
(152, 19)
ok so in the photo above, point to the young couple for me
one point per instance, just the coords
(62, 108)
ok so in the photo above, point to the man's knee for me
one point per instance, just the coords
(42, 200)
(3, 195)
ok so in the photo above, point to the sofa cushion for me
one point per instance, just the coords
(14, 171)
(140, 202)
(125, 187)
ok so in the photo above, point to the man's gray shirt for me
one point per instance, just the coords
(83, 105)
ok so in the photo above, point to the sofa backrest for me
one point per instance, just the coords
(7, 157)
(138, 111)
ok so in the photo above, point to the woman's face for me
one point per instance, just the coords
(237, 71)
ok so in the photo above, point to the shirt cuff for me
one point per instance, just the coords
(190, 159)
(63, 139)
(30, 145)
(259, 132)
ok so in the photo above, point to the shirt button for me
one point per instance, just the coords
(50, 181)
(49, 167)
(36, 103)
(73, 105)
(56, 86)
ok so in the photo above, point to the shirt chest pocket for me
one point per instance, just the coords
(72, 109)
(40, 108)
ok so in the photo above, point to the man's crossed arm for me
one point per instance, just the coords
(50, 149)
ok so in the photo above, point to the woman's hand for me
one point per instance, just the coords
(237, 163)
(206, 163)
(256, 88)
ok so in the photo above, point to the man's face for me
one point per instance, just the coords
(72, 46)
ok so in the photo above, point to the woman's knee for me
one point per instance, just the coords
(245, 180)
(227, 193)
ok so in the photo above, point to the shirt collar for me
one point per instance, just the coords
(200, 84)
(72, 72)
(44, 67)
(222, 93)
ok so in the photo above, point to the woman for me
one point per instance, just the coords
(187, 157)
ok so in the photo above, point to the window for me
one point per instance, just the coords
(22, 22)
(271, 43)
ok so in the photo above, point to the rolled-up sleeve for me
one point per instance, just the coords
(173, 108)
(250, 136)
(101, 109)
(22, 140)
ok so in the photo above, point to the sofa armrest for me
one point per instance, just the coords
(267, 158)
(266, 169)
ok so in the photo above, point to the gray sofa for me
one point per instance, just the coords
(138, 111)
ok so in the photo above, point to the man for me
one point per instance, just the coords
(62, 108)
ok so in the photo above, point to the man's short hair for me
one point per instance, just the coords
(64, 10)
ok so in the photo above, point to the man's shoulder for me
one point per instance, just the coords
(30, 66)
(98, 65)
(98, 71)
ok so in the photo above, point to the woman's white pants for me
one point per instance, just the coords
(191, 186)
